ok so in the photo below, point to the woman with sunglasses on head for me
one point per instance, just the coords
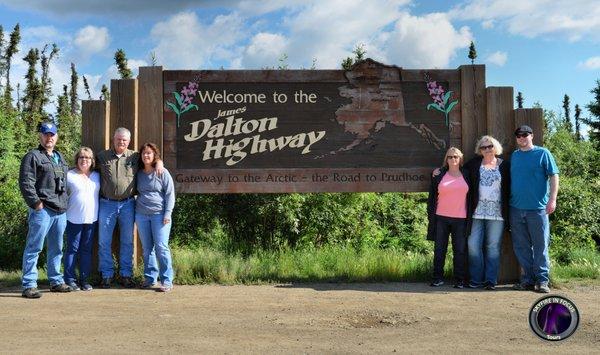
(448, 212)
(153, 208)
(490, 186)
(83, 188)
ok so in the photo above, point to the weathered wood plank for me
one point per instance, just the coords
(124, 107)
(473, 106)
(500, 123)
(150, 106)
(509, 266)
(95, 118)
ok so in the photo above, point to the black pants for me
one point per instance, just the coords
(445, 226)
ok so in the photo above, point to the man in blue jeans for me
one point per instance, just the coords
(42, 181)
(534, 187)
(118, 168)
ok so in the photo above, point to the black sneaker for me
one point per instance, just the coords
(106, 282)
(127, 282)
(459, 285)
(73, 286)
(490, 286)
(31, 292)
(436, 283)
(523, 287)
(86, 286)
(60, 288)
(147, 285)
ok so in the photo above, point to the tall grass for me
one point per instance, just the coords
(584, 264)
(334, 263)
(330, 263)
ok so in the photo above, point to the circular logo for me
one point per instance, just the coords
(554, 318)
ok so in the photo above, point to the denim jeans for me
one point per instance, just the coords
(445, 226)
(531, 237)
(78, 251)
(154, 236)
(109, 213)
(47, 225)
(484, 250)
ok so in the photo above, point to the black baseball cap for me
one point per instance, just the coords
(524, 129)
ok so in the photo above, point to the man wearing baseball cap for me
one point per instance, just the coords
(534, 187)
(42, 180)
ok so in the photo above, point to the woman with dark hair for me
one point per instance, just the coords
(83, 188)
(153, 208)
(449, 213)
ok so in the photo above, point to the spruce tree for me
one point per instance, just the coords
(73, 99)
(472, 53)
(63, 103)
(105, 94)
(121, 61)
(577, 122)
(594, 121)
(46, 81)
(566, 106)
(32, 98)
(2, 60)
(519, 100)
(11, 50)
(86, 87)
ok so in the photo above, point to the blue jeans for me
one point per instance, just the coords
(47, 225)
(109, 213)
(531, 237)
(79, 251)
(484, 251)
(154, 236)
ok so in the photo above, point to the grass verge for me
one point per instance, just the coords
(325, 264)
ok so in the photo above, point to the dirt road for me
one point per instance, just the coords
(298, 318)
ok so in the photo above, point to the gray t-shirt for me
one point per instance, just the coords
(156, 194)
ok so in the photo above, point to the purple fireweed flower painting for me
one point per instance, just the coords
(183, 100)
(440, 98)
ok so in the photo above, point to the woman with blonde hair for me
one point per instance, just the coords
(490, 186)
(83, 188)
(449, 213)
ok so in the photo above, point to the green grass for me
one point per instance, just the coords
(332, 263)
(325, 264)
(584, 265)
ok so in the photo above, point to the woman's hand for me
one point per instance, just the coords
(166, 221)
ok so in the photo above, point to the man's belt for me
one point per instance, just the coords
(116, 200)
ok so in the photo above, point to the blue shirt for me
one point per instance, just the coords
(156, 194)
(529, 173)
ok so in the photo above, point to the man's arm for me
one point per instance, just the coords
(159, 167)
(27, 179)
(551, 206)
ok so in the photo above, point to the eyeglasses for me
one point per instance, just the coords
(84, 158)
(452, 157)
(484, 147)
(522, 135)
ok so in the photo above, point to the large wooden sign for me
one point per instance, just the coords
(374, 128)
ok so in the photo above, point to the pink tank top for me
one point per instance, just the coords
(452, 197)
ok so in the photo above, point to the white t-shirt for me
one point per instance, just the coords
(83, 197)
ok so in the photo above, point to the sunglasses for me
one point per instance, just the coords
(452, 157)
(484, 147)
(522, 135)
